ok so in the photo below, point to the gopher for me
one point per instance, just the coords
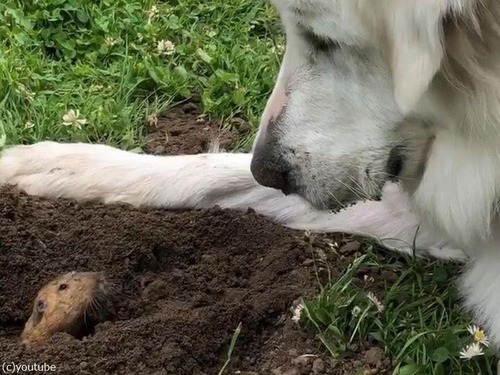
(73, 303)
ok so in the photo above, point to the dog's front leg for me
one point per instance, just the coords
(102, 173)
(480, 287)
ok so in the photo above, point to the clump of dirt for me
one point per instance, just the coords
(184, 282)
(183, 130)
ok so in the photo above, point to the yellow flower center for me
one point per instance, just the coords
(479, 335)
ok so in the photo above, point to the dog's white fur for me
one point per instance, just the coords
(435, 61)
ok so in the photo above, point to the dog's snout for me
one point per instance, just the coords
(270, 174)
(268, 166)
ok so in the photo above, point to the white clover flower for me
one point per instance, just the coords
(72, 118)
(27, 94)
(478, 335)
(471, 351)
(152, 12)
(278, 48)
(165, 47)
(110, 41)
(297, 312)
(373, 299)
(356, 311)
(368, 279)
(152, 119)
(95, 88)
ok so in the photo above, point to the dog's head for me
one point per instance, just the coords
(345, 115)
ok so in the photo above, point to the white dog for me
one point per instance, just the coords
(394, 104)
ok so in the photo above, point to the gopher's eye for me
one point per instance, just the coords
(63, 286)
(41, 306)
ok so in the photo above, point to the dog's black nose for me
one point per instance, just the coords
(270, 174)
(396, 161)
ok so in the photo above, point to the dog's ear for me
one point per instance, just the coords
(415, 30)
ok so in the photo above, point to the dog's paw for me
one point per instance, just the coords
(52, 169)
(24, 166)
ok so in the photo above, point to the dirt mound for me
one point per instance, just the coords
(183, 131)
(184, 282)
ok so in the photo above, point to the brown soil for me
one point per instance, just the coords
(184, 282)
(183, 130)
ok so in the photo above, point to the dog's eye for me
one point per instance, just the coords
(41, 306)
(63, 286)
(319, 43)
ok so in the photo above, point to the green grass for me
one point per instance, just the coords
(230, 349)
(101, 58)
(422, 327)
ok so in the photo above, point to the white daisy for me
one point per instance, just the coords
(471, 351)
(72, 118)
(373, 298)
(478, 335)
